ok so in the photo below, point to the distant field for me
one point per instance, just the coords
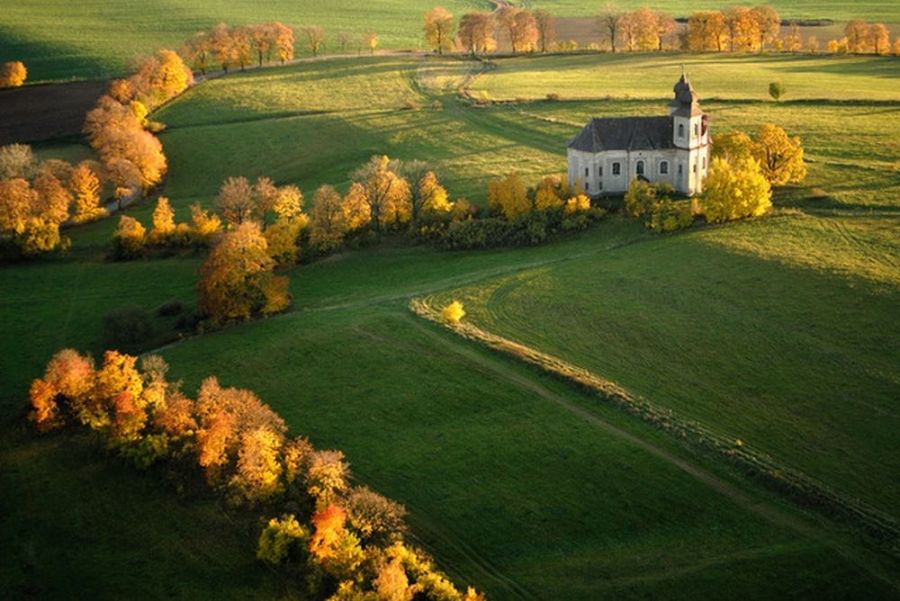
(94, 39)
(517, 483)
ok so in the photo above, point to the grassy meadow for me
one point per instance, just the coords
(778, 330)
(99, 39)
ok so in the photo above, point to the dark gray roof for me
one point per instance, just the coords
(686, 102)
(624, 133)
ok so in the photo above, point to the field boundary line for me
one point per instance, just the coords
(788, 481)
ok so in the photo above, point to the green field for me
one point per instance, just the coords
(778, 331)
(97, 39)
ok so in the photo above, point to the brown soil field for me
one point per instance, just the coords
(46, 111)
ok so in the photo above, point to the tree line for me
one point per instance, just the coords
(344, 541)
(742, 173)
(735, 29)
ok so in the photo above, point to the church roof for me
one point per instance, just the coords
(624, 133)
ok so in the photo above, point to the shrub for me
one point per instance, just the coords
(282, 540)
(128, 327)
(375, 517)
(170, 308)
(668, 216)
(735, 191)
(776, 90)
(13, 74)
(453, 312)
(129, 238)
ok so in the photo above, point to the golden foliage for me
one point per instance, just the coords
(236, 279)
(53, 199)
(548, 194)
(327, 222)
(44, 410)
(130, 236)
(707, 30)
(280, 540)
(735, 191)
(577, 204)
(282, 238)
(13, 74)
(779, 156)
(453, 312)
(386, 192)
(163, 222)
(17, 200)
(439, 29)
(476, 33)
(258, 467)
(732, 146)
(288, 202)
(234, 202)
(508, 197)
(204, 226)
(392, 584)
(85, 186)
(432, 195)
(374, 516)
(520, 26)
(355, 206)
(327, 476)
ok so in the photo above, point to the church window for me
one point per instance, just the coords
(617, 168)
(664, 168)
(587, 187)
(680, 169)
(640, 168)
(587, 171)
(681, 130)
(599, 170)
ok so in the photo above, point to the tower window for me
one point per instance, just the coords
(587, 186)
(681, 130)
(617, 168)
(664, 168)
(587, 171)
(680, 169)
(599, 170)
(640, 167)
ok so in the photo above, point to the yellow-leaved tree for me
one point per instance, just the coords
(439, 29)
(12, 74)
(735, 191)
(780, 156)
(85, 186)
(129, 238)
(236, 280)
(508, 197)
(163, 222)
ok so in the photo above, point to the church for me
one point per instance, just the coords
(611, 151)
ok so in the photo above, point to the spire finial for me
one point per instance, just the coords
(683, 73)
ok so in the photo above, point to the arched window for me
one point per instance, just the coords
(681, 130)
(640, 167)
(617, 169)
(664, 168)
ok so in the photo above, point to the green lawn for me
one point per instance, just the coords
(517, 483)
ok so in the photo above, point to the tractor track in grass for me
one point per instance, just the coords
(758, 507)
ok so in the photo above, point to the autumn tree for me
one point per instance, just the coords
(284, 41)
(742, 29)
(735, 191)
(545, 23)
(160, 77)
(375, 517)
(780, 156)
(282, 540)
(17, 161)
(357, 214)
(733, 146)
(508, 197)
(858, 37)
(439, 29)
(258, 467)
(242, 43)
(13, 74)
(282, 237)
(198, 51)
(520, 27)
(431, 197)
(768, 24)
(388, 194)
(221, 43)
(879, 38)
(707, 30)
(129, 238)
(326, 220)
(53, 198)
(793, 41)
(236, 280)
(345, 38)
(17, 202)
(610, 21)
(315, 37)
(234, 202)
(812, 44)
(476, 33)
(288, 202)
(664, 25)
(327, 476)
(371, 40)
(163, 222)
(453, 312)
(549, 193)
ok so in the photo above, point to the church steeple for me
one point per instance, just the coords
(686, 102)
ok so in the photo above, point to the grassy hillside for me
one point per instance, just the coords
(517, 483)
(96, 39)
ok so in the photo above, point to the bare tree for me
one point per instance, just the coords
(610, 21)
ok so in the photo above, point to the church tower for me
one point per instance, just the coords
(690, 136)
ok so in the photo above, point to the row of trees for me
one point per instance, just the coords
(739, 183)
(242, 45)
(346, 541)
(12, 74)
(36, 198)
(736, 29)
(118, 129)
